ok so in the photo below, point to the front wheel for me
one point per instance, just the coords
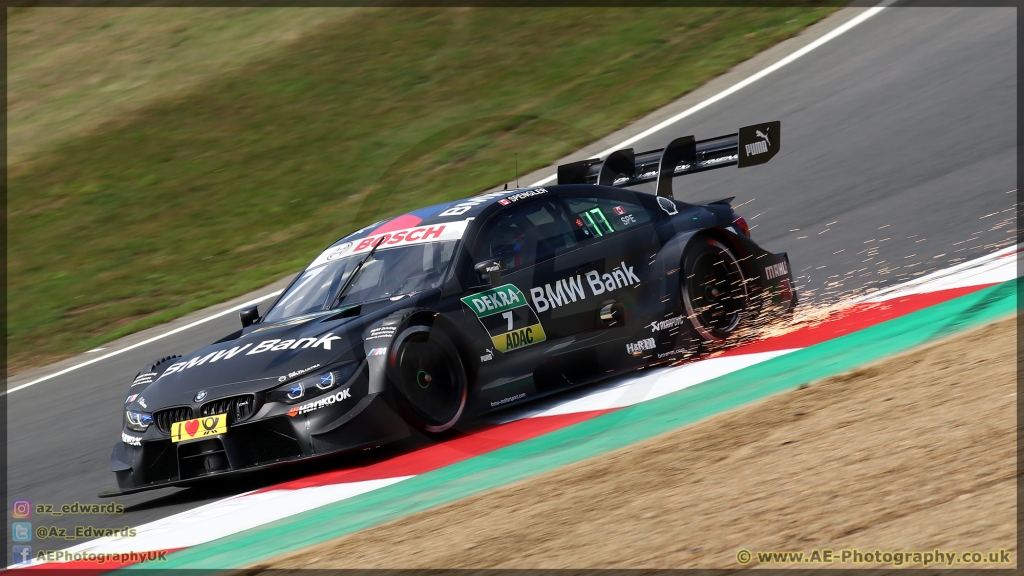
(426, 372)
(714, 291)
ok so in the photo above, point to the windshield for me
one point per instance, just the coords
(390, 271)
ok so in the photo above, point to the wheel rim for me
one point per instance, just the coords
(716, 293)
(428, 380)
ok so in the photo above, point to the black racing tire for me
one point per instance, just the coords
(714, 291)
(428, 378)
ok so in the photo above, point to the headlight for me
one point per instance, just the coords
(138, 421)
(311, 386)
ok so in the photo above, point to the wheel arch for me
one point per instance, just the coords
(437, 320)
(152, 366)
(431, 322)
(674, 251)
(740, 250)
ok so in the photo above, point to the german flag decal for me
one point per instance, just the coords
(507, 317)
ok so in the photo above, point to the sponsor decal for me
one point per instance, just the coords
(199, 427)
(130, 440)
(513, 198)
(571, 289)
(377, 352)
(489, 356)
(507, 317)
(776, 270)
(667, 323)
(339, 251)
(397, 298)
(619, 210)
(640, 346)
(756, 148)
(264, 346)
(142, 402)
(146, 378)
(321, 403)
(468, 204)
(509, 399)
(395, 239)
(131, 398)
(760, 146)
(672, 353)
(668, 206)
(297, 373)
(200, 396)
(382, 332)
(628, 219)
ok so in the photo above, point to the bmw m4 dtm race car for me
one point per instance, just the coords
(427, 319)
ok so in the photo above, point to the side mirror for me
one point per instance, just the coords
(492, 268)
(611, 312)
(248, 316)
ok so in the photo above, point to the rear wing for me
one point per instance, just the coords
(751, 146)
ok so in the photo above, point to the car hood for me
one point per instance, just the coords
(257, 360)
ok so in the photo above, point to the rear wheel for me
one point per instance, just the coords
(714, 291)
(428, 378)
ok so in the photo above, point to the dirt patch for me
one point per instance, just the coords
(916, 452)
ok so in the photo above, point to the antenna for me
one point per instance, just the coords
(517, 169)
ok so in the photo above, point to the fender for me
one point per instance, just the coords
(378, 338)
(767, 273)
(671, 255)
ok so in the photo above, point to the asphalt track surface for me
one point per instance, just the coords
(908, 120)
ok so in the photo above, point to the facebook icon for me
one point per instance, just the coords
(22, 554)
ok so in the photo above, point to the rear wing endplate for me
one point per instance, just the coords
(751, 146)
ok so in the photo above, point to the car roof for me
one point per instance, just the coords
(468, 208)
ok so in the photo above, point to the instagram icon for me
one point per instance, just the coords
(21, 509)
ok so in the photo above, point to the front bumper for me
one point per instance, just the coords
(252, 445)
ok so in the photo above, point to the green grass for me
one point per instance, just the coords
(71, 69)
(210, 194)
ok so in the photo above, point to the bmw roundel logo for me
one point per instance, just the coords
(201, 396)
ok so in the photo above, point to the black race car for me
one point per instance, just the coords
(427, 319)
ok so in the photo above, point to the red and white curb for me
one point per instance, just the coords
(252, 509)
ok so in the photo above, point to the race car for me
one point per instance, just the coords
(429, 319)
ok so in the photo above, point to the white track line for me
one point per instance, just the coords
(990, 269)
(144, 342)
(739, 85)
(226, 517)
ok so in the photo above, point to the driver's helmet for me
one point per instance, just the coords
(510, 248)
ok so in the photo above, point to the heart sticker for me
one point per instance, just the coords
(192, 426)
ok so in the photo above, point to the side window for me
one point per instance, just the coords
(606, 216)
(525, 235)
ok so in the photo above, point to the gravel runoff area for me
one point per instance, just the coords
(913, 453)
